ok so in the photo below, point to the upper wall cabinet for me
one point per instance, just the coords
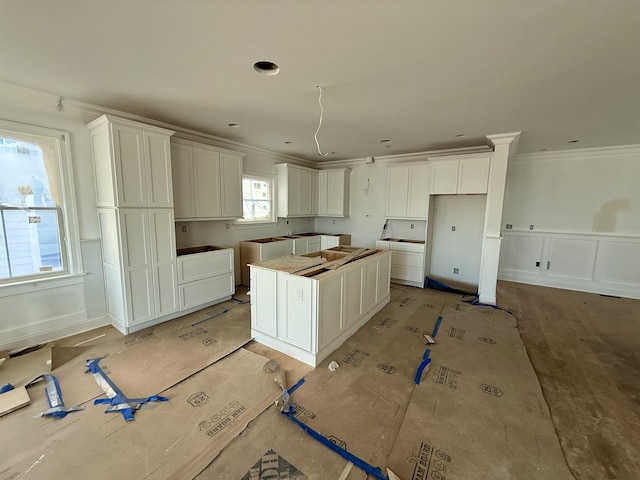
(408, 191)
(207, 181)
(133, 163)
(333, 192)
(464, 176)
(297, 191)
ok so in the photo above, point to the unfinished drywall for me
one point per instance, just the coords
(579, 191)
(457, 234)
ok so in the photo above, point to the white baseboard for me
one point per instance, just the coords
(49, 330)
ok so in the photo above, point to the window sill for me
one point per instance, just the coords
(37, 284)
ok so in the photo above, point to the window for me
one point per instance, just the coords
(35, 204)
(257, 199)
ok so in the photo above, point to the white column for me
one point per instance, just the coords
(504, 146)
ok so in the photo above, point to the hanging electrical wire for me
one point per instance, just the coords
(320, 123)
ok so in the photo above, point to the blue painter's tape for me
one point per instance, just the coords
(209, 318)
(437, 326)
(296, 386)
(241, 302)
(425, 361)
(6, 388)
(476, 302)
(375, 472)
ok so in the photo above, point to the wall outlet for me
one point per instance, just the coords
(537, 264)
(509, 226)
(184, 229)
(456, 270)
(453, 228)
(412, 225)
(530, 227)
(333, 221)
(226, 225)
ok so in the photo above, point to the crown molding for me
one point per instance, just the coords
(580, 154)
(407, 157)
(89, 112)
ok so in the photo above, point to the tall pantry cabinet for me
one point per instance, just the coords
(135, 208)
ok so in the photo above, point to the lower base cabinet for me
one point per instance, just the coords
(407, 260)
(205, 277)
(308, 318)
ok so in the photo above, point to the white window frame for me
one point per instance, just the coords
(274, 207)
(70, 234)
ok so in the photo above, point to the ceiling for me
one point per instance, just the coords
(416, 72)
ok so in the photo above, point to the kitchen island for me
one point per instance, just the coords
(306, 306)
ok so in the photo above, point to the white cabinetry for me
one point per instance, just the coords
(207, 181)
(133, 185)
(132, 162)
(297, 191)
(205, 277)
(259, 250)
(333, 193)
(463, 176)
(407, 261)
(308, 318)
(408, 191)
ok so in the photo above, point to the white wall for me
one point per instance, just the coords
(584, 206)
(580, 191)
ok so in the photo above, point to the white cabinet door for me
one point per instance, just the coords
(182, 176)
(323, 193)
(313, 244)
(231, 185)
(163, 261)
(304, 192)
(444, 177)
(193, 294)
(397, 187)
(352, 296)
(418, 194)
(473, 175)
(408, 191)
(264, 303)
(158, 170)
(295, 309)
(136, 253)
(369, 285)
(130, 165)
(206, 171)
(330, 309)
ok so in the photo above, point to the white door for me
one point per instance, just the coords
(131, 177)
(158, 154)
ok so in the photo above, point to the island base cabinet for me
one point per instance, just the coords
(309, 318)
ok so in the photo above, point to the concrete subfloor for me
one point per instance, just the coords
(585, 349)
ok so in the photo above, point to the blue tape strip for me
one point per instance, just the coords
(6, 388)
(241, 302)
(296, 386)
(437, 326)
(209, 318)
(425, 361)
(119, 398)
(436, 285)
(476, 302)
(375, 472)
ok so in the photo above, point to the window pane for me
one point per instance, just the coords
(256, 194)
(33, 241)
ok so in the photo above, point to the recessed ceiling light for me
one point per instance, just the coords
(387, 146)
(287, 142)
(573, 141)
(461, 135)
(266, 68)
(385, 141)
(234, 125)
(543, 149)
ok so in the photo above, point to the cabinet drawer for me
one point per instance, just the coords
(197, 293)
(407, 247)
(199, 266)
(407, 259)
(410, 274)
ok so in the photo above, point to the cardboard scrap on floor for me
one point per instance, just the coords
(170, 440)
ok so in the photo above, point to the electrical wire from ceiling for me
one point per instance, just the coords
(319, 123)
